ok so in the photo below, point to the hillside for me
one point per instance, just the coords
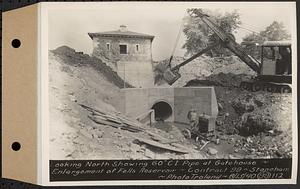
(72, 82)
(77, 79)
(249, 124)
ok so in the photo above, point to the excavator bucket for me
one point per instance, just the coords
(171, 76)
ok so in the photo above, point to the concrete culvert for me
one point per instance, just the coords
(162, 110)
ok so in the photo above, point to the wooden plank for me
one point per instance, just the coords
(204, 145)
(95, 110)
(96, 113)
(171, 142)
(134, 128)
(179, 146)
(112, 116)
(109, 123)
(162, 146)
(159, 138)
(128, 121)
(98, 120)
(99, 117)
(112, 119)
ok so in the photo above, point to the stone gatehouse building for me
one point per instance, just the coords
(127, 52)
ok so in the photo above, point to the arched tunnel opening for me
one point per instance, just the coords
(162, 111)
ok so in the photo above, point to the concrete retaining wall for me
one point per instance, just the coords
(181, 100)
(138, 74)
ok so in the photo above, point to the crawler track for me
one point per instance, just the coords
(266, 86)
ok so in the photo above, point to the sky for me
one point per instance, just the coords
(69, 23)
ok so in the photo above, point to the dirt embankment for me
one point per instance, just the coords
(219, 71)
(73, 80)
(257, 124)
(77, 79)
(250, 124)
(78, 59)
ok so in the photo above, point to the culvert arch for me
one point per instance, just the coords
(162, 110)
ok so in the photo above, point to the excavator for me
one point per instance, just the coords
(274, 71)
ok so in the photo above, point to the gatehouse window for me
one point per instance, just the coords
(137, 48)
(123, 49)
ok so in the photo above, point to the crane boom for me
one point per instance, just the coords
(270, 82)
(229, 42)
(172, 74)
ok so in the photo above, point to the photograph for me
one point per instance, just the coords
(146, 81)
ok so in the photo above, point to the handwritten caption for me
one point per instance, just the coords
(79, 170)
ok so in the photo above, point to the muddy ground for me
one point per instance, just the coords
(249, 125)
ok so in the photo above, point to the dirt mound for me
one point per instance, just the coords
(220, 71)
(254, 123)
(76, 79)
(70, 56)
(72, 82)
(253, 119)
(259, 113)
(247, 103)
(249, 124)
(263, 118)
(221, 79)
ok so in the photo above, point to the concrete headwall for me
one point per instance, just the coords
(138, 101)
(181, 100)
(200, 99)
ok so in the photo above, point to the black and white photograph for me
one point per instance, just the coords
(172, 81)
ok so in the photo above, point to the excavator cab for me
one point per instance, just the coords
(274, 70)
(276, 58)
(276, 63)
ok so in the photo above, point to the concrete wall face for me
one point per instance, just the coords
(136, 66)
(192, 98)
(135, 102)
(181, 100)
(139, 101)
(138, 74)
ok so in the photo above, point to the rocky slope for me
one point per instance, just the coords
(256, 124)
(249, 125)
(77, 79)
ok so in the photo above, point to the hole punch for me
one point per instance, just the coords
(16, 146)
(16, 43)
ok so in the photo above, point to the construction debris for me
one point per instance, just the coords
(113, 120)
(120, 121)
(212, 151)
(162, 146)
(103, 133)
(205, 143)
(254, 123)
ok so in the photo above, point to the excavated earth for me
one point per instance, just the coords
(249, 125)
(77, 79)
